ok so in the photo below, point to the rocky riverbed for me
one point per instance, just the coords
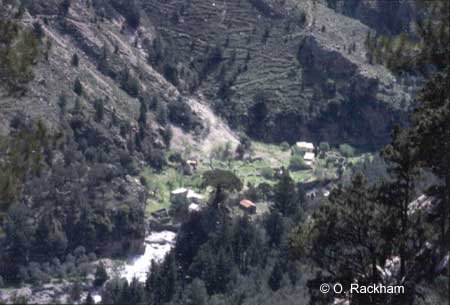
(157, 245)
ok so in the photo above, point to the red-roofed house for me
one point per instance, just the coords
(247, 205)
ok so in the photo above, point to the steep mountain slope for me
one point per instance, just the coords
(116, 83)
(281, 70)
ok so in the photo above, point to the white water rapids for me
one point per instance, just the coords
(157, 245)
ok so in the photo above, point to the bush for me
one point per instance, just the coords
(167, 135)
(37, 30)
(181, 114)
(171, 74)
(267, 172)
(297, 151)
(75, 60)
(78, 87)
(161, 112)
(346, 150)
(156, 159)
(324, 146)
(64, 7)
(62, 103)
(101, 276)
(297, 163)
(75, 291)
(132, 16)
(129, 83)
(285, 146)
(99, 110)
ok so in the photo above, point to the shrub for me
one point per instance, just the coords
(132, 16)
(267, 172)
(161, 112)
(75, 291)
(167, 135)
(37, 30)
(181, 114)
(297, 151)
(346, 150)
(324, 146)
(297, 163)
(156, 159)
(92, 256)
(101, 276)
(75, 60)
(64, 7)
(62, 103)
(78, 87)
(170, 73)
(285, 146)
(129, 83)
(18, 53)
(99, 110)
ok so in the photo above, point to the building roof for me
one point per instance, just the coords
(193, 207)
(179, 191)
(309, 156)
(245, 203)
(192, 194)
(305, 145)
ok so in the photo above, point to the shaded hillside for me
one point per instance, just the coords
(386, 17)
(298, 64)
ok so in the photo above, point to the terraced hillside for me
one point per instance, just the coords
(281, 70)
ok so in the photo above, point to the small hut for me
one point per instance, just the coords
(247, 206)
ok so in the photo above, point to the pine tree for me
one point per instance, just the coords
(285, 196)
(75, 60)
(275, 227)
(78, 87)
(403, 169)
(99, 110)
(345, 236)
(275, 277)
(101, 276)
(89, 300)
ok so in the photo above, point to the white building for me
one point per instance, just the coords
(305, 146)
(309, 158)
(186, 196)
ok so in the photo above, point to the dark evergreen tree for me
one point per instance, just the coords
(275, 227)
(221, 180)
(78, 87)
(403, 169)
(345, 236)
(89, 300)
(101, 276)
(64, 7)
(99, 110)
(275, 277)
(75, 60)
(285, 196)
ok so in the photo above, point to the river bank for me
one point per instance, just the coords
(156, 246)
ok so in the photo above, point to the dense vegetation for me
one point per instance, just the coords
(19, 49)
(364, 232)
(72, 191)
(48, 168)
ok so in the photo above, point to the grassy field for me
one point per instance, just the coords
(161, 184)
(265, 157)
